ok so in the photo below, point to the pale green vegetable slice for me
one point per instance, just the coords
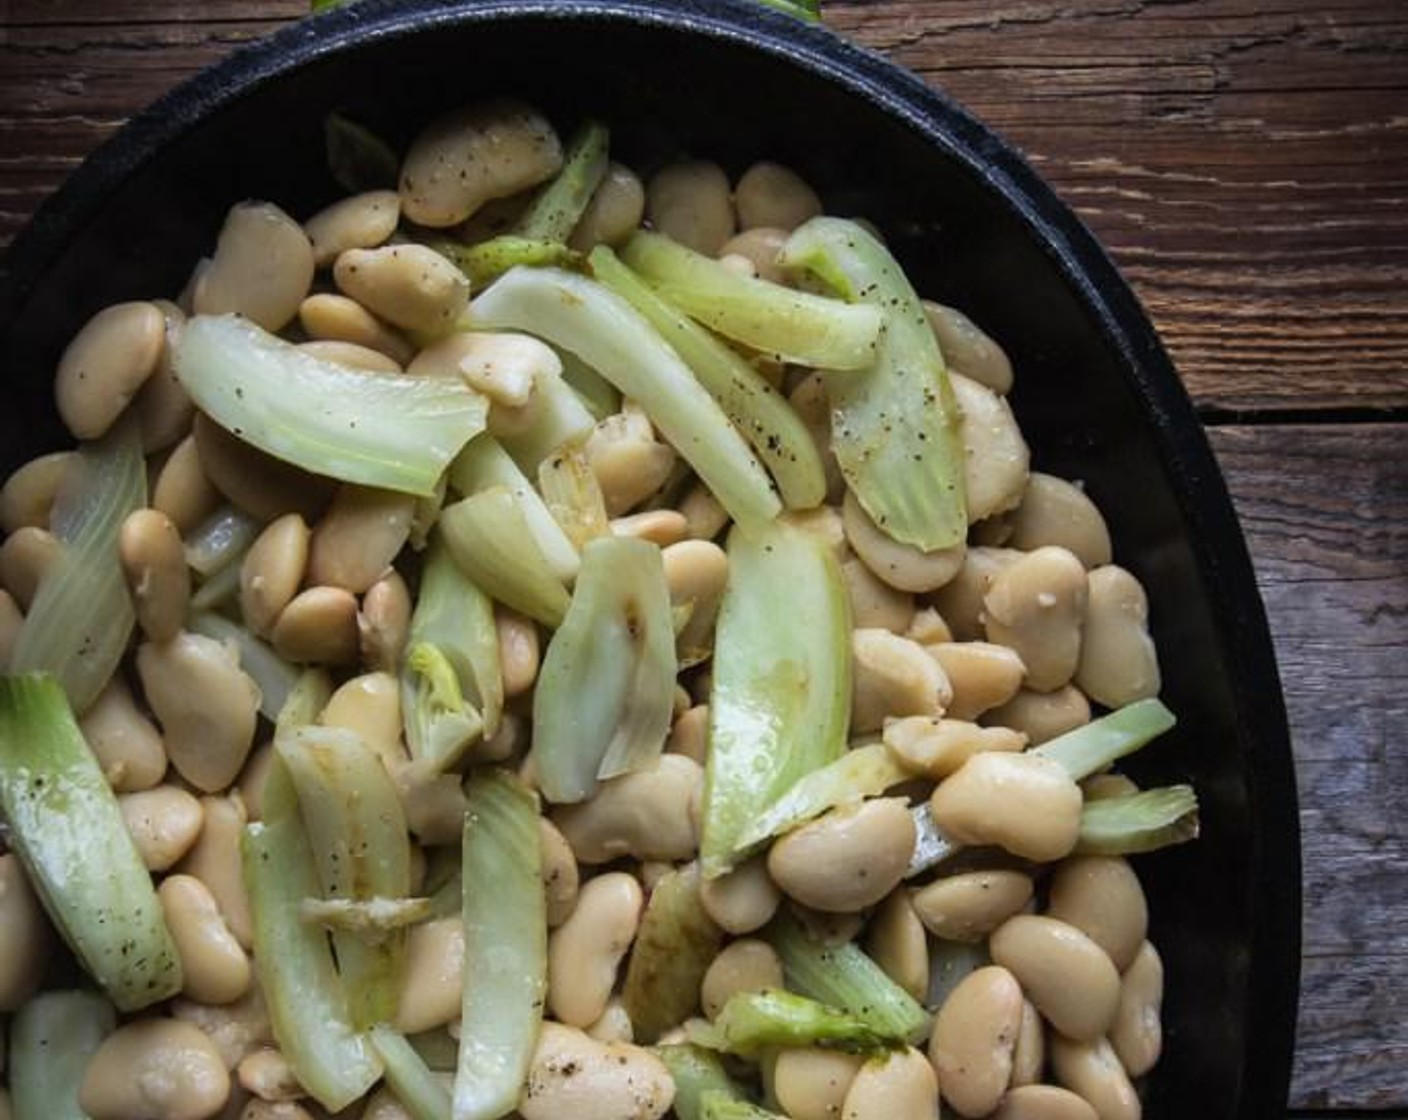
(752, 1022)
(861, 772)
(371, 919)
(676, 944)
(505, 945)
(780, 706)
(573, 496)
(716, 1105)
(62, 816)
(554, 214)
(51, 1039)
(605, 692)
(398, 433)
(489, 538)
(602, 329)
(220, 540)
(417, 1088)
(1140, 822)
(843, 976)
(784, 323)
(81, 618)
(561, 416)
(274, 676)
(894, 423)
(761, 413)
(308, 1005)
(487, 260)
(697, 1073)
(1101, 742)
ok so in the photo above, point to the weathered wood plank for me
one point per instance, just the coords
(1325, 511)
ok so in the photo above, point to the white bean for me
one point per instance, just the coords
(1137, 1032)
(432, 977)
(28, 494)
(614, 212)
(262, 267)
(573, 1075)
(1057, 512)
(967, 349)
(25, 939)
(647, 814)
(1091, 1070)
(745, 965)
(585, 951)
(692, 203)
(982, 675)
(214, 968)
(1043, 1102)
(741, 900)
(1024, 803)
(356, 540)
(970, 905)
(902, 566)
(156, 1069)
(215, 861)
(1041, 716)
(360, 221)
(106, 364)
(1101, 897)
(126, 744)
(896, 941)
(811, 1083)
(154, 561)
(974, 1034)
(901, 1083)
(411, 286)
(847, 859)
(1066, 975)
(995, 454)
(272, 571)
(1118, 664)
(1036, 606)
(771, 195)
(892, 677)
(163, 823)
(936, 748)
(319, 626)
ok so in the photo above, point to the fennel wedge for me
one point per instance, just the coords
(781, 700)
(894, 423)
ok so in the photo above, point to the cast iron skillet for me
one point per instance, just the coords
(972, 224)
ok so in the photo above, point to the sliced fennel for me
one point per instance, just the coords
(600, 397)
(752, 1022)
(62, 817)
(783, 323)
(554, 214)
(488, 260)
(561, 416)
(357, 832)
(417, 1088)
(602, 329)
(51, 1039)
(371, 919)
(505, 945)
(603, 701)
(573, 496)
(399, 433)
(697, 1073)
(674, 948)
(452, 686)
(220, 540)
(81, 618)
(274, 676)
(1101, 742)
(1140, 822)
(894, 423)
(308, 1005)
(761, 413)
(716, 1105)
(482, 464)
(844, 977)
(489, 538)
(780, 706)
(859, 773)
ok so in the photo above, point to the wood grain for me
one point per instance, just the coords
(1325, 511)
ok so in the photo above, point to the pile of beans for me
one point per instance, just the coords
(1035, 962)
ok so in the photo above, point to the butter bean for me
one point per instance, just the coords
(893, 677)
(105, 365)
(25, 559)
(690, 734)
(614, 212)
(759, 246)
(215, 861)
(692, 203)
(1029, 1054)
(704, 517)
(360, 221)
(383, 1105)
(995, 454)
(585, 951)
(967, 349)
(1137, 1033)
(28, 495)
(741, 900)
(1057, 512)
(974, 1034)
(254, 777)
(1118, 664)
(154, 562)
(928, 628)
(272, 571)
(1099, 787)
(262, 267)
(899, 1083)
(982, 675)
(490, 149)
(236, 1029)
(895, 940)
(267, 1074)
(1101, 897)
(215, 969)
(505, 367)
(384, 622)
(970, 905)
(811, 1083)
(875, 605)
(960, 601)
(664, 527)
(848, 858)
(158, 1069)
(206, 705)
(1043, 1102)
(163, 408)
(1041, 716)
(648, 814)
(410, 286)
(560, 876)
(328, 317)
(352, 355)
(163, 823)
(519, 650)
(429, 995)
(25, 939)
(936, 748)
(902, 566)
(1024, 803)
(259, 484)
(745, 965)
(356, 540)
(319, 626)
(1066, 975)
(183, 491)
(629, 464)
(126, 744)
(773, 196)
(1091, 1070)
(573, 1075)
(696, 572)
(1037, 607)
(370, 705)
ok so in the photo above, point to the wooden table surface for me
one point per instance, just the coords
(1246, 162)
